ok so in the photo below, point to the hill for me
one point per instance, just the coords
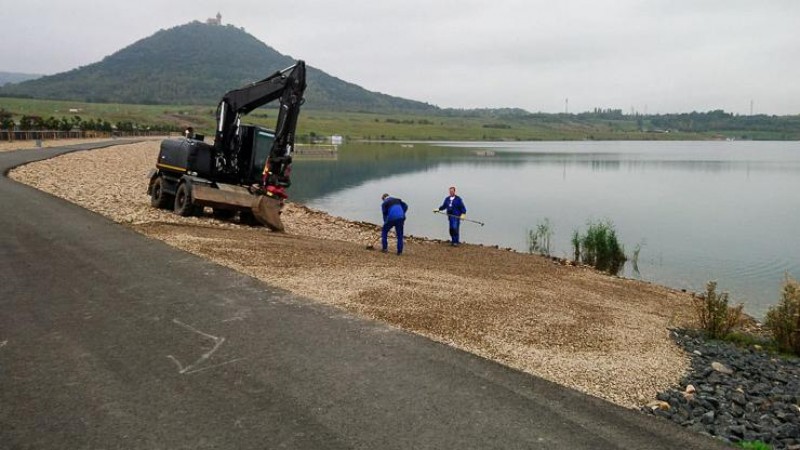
(14, 77)
(197, 63)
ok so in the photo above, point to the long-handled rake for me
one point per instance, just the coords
(459, 217)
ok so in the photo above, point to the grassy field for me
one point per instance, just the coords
(373, 126)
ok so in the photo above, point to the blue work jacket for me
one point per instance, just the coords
(393, 209)
(455, 207)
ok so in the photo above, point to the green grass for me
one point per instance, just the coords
(747, 340)
(754, 445)
(369, 126)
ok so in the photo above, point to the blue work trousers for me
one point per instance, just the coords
(398, 229)
(455, 223)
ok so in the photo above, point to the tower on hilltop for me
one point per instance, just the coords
(215, 21)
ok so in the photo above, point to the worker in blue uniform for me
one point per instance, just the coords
(394, 216)
(456, 211)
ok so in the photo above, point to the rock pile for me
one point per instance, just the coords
(735, 394)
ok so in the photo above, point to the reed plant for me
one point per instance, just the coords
(635, 257)
(576, 246)
(539, 239)
(599, 247)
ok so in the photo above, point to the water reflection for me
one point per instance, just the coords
(358, 163)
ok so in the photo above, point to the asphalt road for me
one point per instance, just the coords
(109, 339)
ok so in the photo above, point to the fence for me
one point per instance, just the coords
(12, 136)
(315, 149)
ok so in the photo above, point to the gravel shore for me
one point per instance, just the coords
(602, 335)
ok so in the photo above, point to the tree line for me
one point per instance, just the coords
(38, 123)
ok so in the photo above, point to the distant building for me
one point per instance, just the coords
(213, 21)
(336, 140)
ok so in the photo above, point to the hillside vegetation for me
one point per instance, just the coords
(193, 64)
(489, 124)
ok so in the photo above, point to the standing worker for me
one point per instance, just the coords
(455, 212)
(394, 216)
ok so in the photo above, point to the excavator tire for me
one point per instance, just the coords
(158, 198)
(223, 214)
(247, 218)
(183, 201)
(267, 210)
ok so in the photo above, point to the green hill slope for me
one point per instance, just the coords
(197, 63)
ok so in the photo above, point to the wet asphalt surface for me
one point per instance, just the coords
(110, 339)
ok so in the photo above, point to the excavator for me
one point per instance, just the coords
(247, 169)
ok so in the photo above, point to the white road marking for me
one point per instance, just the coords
(193, 368)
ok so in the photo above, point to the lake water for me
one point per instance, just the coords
(700, 211)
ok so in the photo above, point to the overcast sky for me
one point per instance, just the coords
(654, 56)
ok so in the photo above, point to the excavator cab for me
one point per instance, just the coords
(263, 140)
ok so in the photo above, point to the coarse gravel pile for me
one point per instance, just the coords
(736, 394)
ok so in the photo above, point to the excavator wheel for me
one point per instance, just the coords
(158, 198)
(223, 214)
(247, 218)
(267, 210)
(183, 201)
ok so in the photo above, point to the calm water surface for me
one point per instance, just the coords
(700, 211)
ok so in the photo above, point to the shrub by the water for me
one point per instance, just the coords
(716, 317)
(783, 320)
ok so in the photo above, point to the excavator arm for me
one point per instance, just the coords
(288, 85)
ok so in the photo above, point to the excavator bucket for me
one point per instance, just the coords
(267, 210)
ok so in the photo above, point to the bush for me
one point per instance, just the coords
(783, 320)
(600, 247)
(717, 319)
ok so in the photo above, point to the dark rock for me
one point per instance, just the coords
(737, 431)
(780, 377)
(738, 398)
(760, 389)
(750, 397)
(707, 388)
(663, 413)
(736, 410)
(788, 430)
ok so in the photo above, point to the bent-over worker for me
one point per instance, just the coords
(456, 210)
(394, 216)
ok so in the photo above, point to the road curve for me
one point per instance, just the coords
(110, 339)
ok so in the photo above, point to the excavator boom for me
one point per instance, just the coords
(288, 85)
